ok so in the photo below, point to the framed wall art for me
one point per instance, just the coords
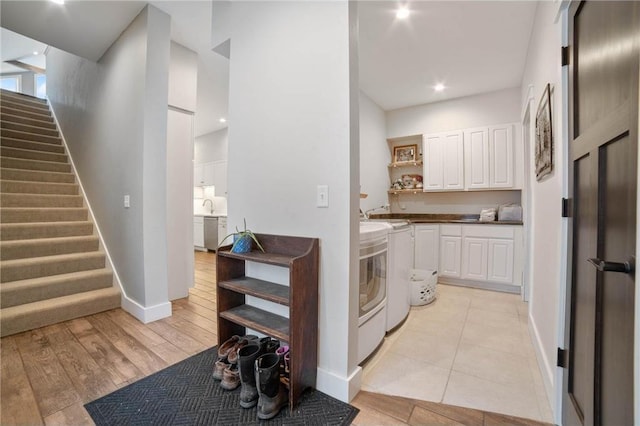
(544, 136)
(405, 153)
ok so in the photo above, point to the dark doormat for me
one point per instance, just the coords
(186, 394)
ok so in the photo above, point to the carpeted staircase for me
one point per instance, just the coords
(52, 268)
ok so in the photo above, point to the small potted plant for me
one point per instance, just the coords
(242, 240)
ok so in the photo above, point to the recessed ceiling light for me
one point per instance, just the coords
(35, 53)
(438, 87)
(402, 13)
(223, 120)
(58, 1)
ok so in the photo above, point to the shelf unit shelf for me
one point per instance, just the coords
(406, 164)
(301, 257)
(404, 191)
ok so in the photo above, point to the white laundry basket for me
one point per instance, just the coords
(423, 286)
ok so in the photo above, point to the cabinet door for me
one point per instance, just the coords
(500, 261)
(450, 256)
(474, 259)
(198, 234)
(220, 178)
(208, 173)
(198, 175)
(453, 165)
(476, 158)
(501, 156)
(427, 242)
(432, 163)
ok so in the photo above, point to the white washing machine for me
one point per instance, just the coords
(372, 288)
(400, 261)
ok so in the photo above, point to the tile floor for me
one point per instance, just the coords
(469, 348)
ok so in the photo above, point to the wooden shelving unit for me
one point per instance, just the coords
(301, 256)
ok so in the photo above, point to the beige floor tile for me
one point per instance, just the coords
(541, 394)
(433, 327)
(505, 306)
(436, 350)
(494, 319)
(403, 376)
(439, 313)
(502, 339)
(496, 296)
(492, 365)
(469, 391)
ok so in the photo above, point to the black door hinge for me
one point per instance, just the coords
(565, 55)
(562, 358)
(565, 207)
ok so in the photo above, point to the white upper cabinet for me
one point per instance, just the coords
(220, 178)
(443, 161)
(501, 156)
(476, 158)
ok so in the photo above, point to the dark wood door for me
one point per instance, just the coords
(603, 150)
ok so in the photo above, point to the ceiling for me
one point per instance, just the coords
(470, 46)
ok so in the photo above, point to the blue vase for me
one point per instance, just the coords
(242, 244)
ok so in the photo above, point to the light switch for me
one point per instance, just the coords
(127, 201)
(323, 196)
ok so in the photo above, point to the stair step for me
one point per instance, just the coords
(34, 146)
(21, 318)
(32, 290)
(5, 109)
(29, 154)
(33, 137)
(35, 267)
(40, 200)
(4, 94)
(35, 230)
(43, 166)
(26, 187)
(39, 247)
(25, 105)
(27, 128)
(36, 176)
(19, 118)
(30, 215)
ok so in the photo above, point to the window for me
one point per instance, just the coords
(41, 85)
(11, 83)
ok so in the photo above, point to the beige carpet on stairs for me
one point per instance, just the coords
(52, 268)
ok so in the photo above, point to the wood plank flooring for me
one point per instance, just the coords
(48, 374)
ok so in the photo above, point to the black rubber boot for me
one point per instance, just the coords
(246, 360)
(272, 395)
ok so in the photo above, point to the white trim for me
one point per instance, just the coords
(546, 368)
(342, 388)
(148, 314)
(527, 198)
(134, 308)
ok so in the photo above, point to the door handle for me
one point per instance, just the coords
(602, 265)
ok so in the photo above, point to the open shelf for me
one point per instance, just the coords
(301, 257)
(407, 164)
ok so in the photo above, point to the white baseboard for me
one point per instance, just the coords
(546, 367)
(342, 388)
(146, 314)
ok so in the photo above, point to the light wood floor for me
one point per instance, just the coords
(48, 374)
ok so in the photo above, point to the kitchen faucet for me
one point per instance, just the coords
(366, 214)
(212, 205)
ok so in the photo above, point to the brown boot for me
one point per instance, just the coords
(230, 377)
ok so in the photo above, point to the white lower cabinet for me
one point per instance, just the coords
(500, 261)
(427, 243)
(474, 259)
(198, 231)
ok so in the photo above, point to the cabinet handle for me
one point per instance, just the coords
(627, 267)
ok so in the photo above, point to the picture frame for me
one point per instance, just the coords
(405, 153)
(544, 136)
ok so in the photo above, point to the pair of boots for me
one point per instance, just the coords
(226, 366)
(260, 381)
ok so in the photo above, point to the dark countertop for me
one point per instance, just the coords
(440, 218)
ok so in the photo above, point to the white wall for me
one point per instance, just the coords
(498, 107)
(547, 227)
(374, 154)
(293, 104)
(212, 146)
(113, 115)
(183, 77)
